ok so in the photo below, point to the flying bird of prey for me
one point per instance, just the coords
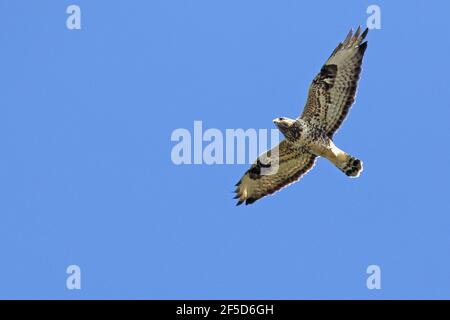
(330, 96)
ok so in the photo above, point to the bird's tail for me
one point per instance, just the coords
(352, 166)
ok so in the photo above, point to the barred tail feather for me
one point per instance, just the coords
(352, 167)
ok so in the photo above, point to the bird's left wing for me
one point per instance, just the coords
(333, 90)
(275, 169)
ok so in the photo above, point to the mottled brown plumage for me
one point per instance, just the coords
(330, 96)
(275, 169)
(333, 90)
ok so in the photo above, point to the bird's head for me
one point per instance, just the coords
(287, 127)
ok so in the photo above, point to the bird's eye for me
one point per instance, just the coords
(281, 118)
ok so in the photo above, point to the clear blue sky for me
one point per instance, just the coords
(86, 176)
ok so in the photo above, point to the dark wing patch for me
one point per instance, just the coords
(327, 75)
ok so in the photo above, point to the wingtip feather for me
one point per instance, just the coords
(347, 38)
(362, 47)
(364, 34)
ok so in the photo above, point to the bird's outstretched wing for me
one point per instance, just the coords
(273, 170)
(333, 90)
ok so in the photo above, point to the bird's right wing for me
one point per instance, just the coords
(275, 169)
(333, 90)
